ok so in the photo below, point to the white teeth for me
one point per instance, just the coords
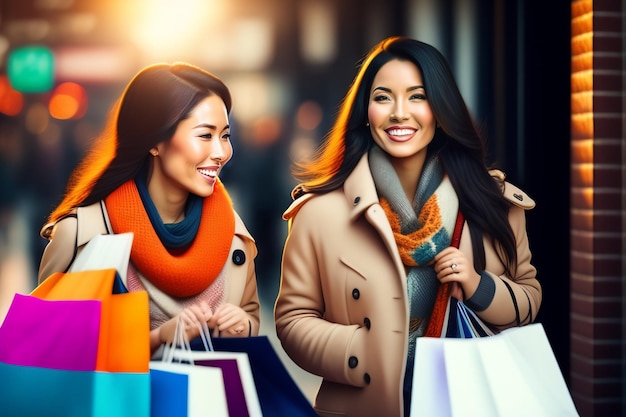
(207, 172)
(401, 132)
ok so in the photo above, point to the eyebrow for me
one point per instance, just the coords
(388, 90)
(209, 126)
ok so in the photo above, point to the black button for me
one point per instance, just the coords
(367, 323)
(356, 294)
(239, 257)
(353, 362)
(356, 200)
(367, 378)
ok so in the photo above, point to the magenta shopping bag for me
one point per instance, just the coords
(51, 334)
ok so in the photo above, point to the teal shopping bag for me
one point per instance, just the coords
(34, 391)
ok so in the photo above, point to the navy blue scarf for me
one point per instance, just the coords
(174, 235)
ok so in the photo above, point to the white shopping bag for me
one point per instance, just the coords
(239, 387)
(187, 391)
(510, 374)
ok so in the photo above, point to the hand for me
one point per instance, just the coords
(231, 320)
(451, 265)
(191, 318)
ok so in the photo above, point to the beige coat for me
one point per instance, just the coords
(73, 232)
(342, 309)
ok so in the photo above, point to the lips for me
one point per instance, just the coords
(400, 134)
(210, 172)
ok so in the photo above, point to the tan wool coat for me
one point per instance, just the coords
(342, 310)
(72, 233)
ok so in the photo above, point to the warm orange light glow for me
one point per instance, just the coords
(164, 27)
(585, 173)
(582, 126)
(582, 24)
(582, 62)
(582, 102)
(11, 101)
(68, 101)
(582, 150)
(587, 194)
(582, 81)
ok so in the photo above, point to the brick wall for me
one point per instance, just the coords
(597, 279)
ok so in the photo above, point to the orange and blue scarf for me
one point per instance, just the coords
(179, 272)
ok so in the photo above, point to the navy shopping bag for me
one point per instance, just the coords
(278, 393)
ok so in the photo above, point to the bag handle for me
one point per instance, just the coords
(181, 344)
(517, 316)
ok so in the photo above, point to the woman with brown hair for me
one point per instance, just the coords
(154, 171)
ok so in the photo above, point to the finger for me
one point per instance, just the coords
(229, 322)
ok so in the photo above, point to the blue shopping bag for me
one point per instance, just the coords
(185, 390)
(35, 391)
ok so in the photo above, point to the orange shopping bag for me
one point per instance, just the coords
(124, 341)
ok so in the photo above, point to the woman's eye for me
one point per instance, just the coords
(207, 136)
(381, 98)
(226, 136)
(419, 96)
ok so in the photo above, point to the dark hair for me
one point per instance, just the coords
(148, 112)
(461, 148)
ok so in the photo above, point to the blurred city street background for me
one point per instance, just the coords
(288, 64)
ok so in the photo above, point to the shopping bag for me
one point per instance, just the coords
(111, 350)
(123, 344)
(183, 390)
(35, 391)
(51, 334)
(461, 322)
(513, 373)
(239, 385)
(278, 393)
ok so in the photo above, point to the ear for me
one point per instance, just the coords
(154, 152)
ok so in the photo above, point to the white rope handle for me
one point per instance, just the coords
(180, 343)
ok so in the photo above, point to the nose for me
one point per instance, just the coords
(398, 112)
(220, 151)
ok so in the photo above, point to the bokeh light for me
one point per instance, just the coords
(11, 100)
(68, 101)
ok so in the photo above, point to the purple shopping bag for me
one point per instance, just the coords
(51, 334)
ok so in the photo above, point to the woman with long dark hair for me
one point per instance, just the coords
(154, 171)
(370, 262)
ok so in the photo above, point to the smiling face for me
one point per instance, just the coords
(401, 120)
(191, 160)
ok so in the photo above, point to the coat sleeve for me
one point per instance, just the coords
(524, 290)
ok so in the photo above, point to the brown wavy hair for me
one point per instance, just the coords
(148, 111)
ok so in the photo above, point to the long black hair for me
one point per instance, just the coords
(460, 146)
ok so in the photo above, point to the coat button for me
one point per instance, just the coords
(356, 294)
(357, 200)
(367, 323)
(353, 362)
(366, 378)
(239, 257)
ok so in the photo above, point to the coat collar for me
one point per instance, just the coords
(359, 188)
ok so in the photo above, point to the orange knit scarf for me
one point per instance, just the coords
(182, 273)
